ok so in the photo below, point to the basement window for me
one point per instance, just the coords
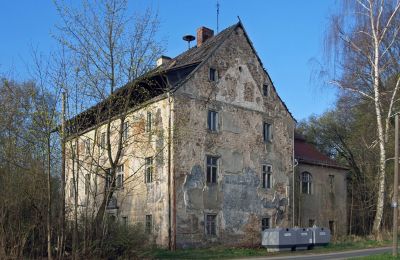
(266, 176)
(149, 169)
(212, 169)
(265, 223)
(213, 74)
(267, 132)
(211, 224)
(212, 121)
(149, 224)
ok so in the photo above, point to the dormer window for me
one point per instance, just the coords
(213, 74)
(266, 90)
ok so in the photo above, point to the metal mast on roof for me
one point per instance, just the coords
(188, 38)
(217, 16)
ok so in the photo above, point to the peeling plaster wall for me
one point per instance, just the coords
(137, 198)
(323, 204)
(237, 198)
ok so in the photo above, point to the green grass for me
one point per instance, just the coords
(225, 252)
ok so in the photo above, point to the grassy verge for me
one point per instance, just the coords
(224, 252)
(385, 256)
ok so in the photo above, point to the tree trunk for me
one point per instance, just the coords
(48, 200)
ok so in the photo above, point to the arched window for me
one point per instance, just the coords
(306, 182)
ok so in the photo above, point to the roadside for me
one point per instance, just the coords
(229, 253)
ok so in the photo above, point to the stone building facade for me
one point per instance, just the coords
(320, 189)
(219, 152)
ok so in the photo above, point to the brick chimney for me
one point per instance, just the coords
(203, 34)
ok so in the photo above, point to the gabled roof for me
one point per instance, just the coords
(307, 153)
(167, 77)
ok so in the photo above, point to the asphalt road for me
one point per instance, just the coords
(328, 256)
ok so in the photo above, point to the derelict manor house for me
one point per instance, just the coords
(207, 156)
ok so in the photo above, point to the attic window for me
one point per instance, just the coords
(213, 74)
(266, 90)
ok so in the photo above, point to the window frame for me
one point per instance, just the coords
(87, 183)
(149, 121)
(149, 223)
(212, 74)
(103, 140)
(306, 183)
(125, 131)
(267, 132)
(266, 89)
(266, 174)
(148, 170)
(212, 120)
(87, 144)
(331, 182)
(210, 224)
(265, 223)
(212, 168)
(119, 177)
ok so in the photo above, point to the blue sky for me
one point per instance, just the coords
(288, 36)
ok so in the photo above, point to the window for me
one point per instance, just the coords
(149, 223)
(265, 224)
(266, 176)
(311, 222)
(125, 220)
(332, 183)
(212, 169)
(306, 183)
(266, 90)
(74, 152)
(148, 122)
(87, 146)
(332, 227)
(213, 74)
(120, 176)
(149, 169)
(103, 140)
(87, 183)
(125, 131)
(267, 132)
(212, 121)
(71, 188)
(211, 227)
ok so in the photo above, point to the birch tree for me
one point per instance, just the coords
(365, 40)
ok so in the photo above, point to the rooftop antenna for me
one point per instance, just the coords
(217, 16)
(188, 38)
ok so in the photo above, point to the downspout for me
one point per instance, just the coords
(169, 173)
(295, 163)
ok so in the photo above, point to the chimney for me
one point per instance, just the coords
(162, 60)
(203, 34)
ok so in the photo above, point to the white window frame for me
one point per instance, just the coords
(212, 120)
(306, 179)
(212, 169)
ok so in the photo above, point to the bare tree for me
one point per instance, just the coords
(110, 49)
(365, 39)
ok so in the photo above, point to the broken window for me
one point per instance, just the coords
(149, 224)
(149, 169)
(212, 169)
(211, 227)
(266, 176)
(212, 120)
(87, 183)
(266, 90)
(125, 131)
(120, 176)
(212, 74)
(265, 223)
(306, 183)
(148, 122)
(267, 132)
(332, 183)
